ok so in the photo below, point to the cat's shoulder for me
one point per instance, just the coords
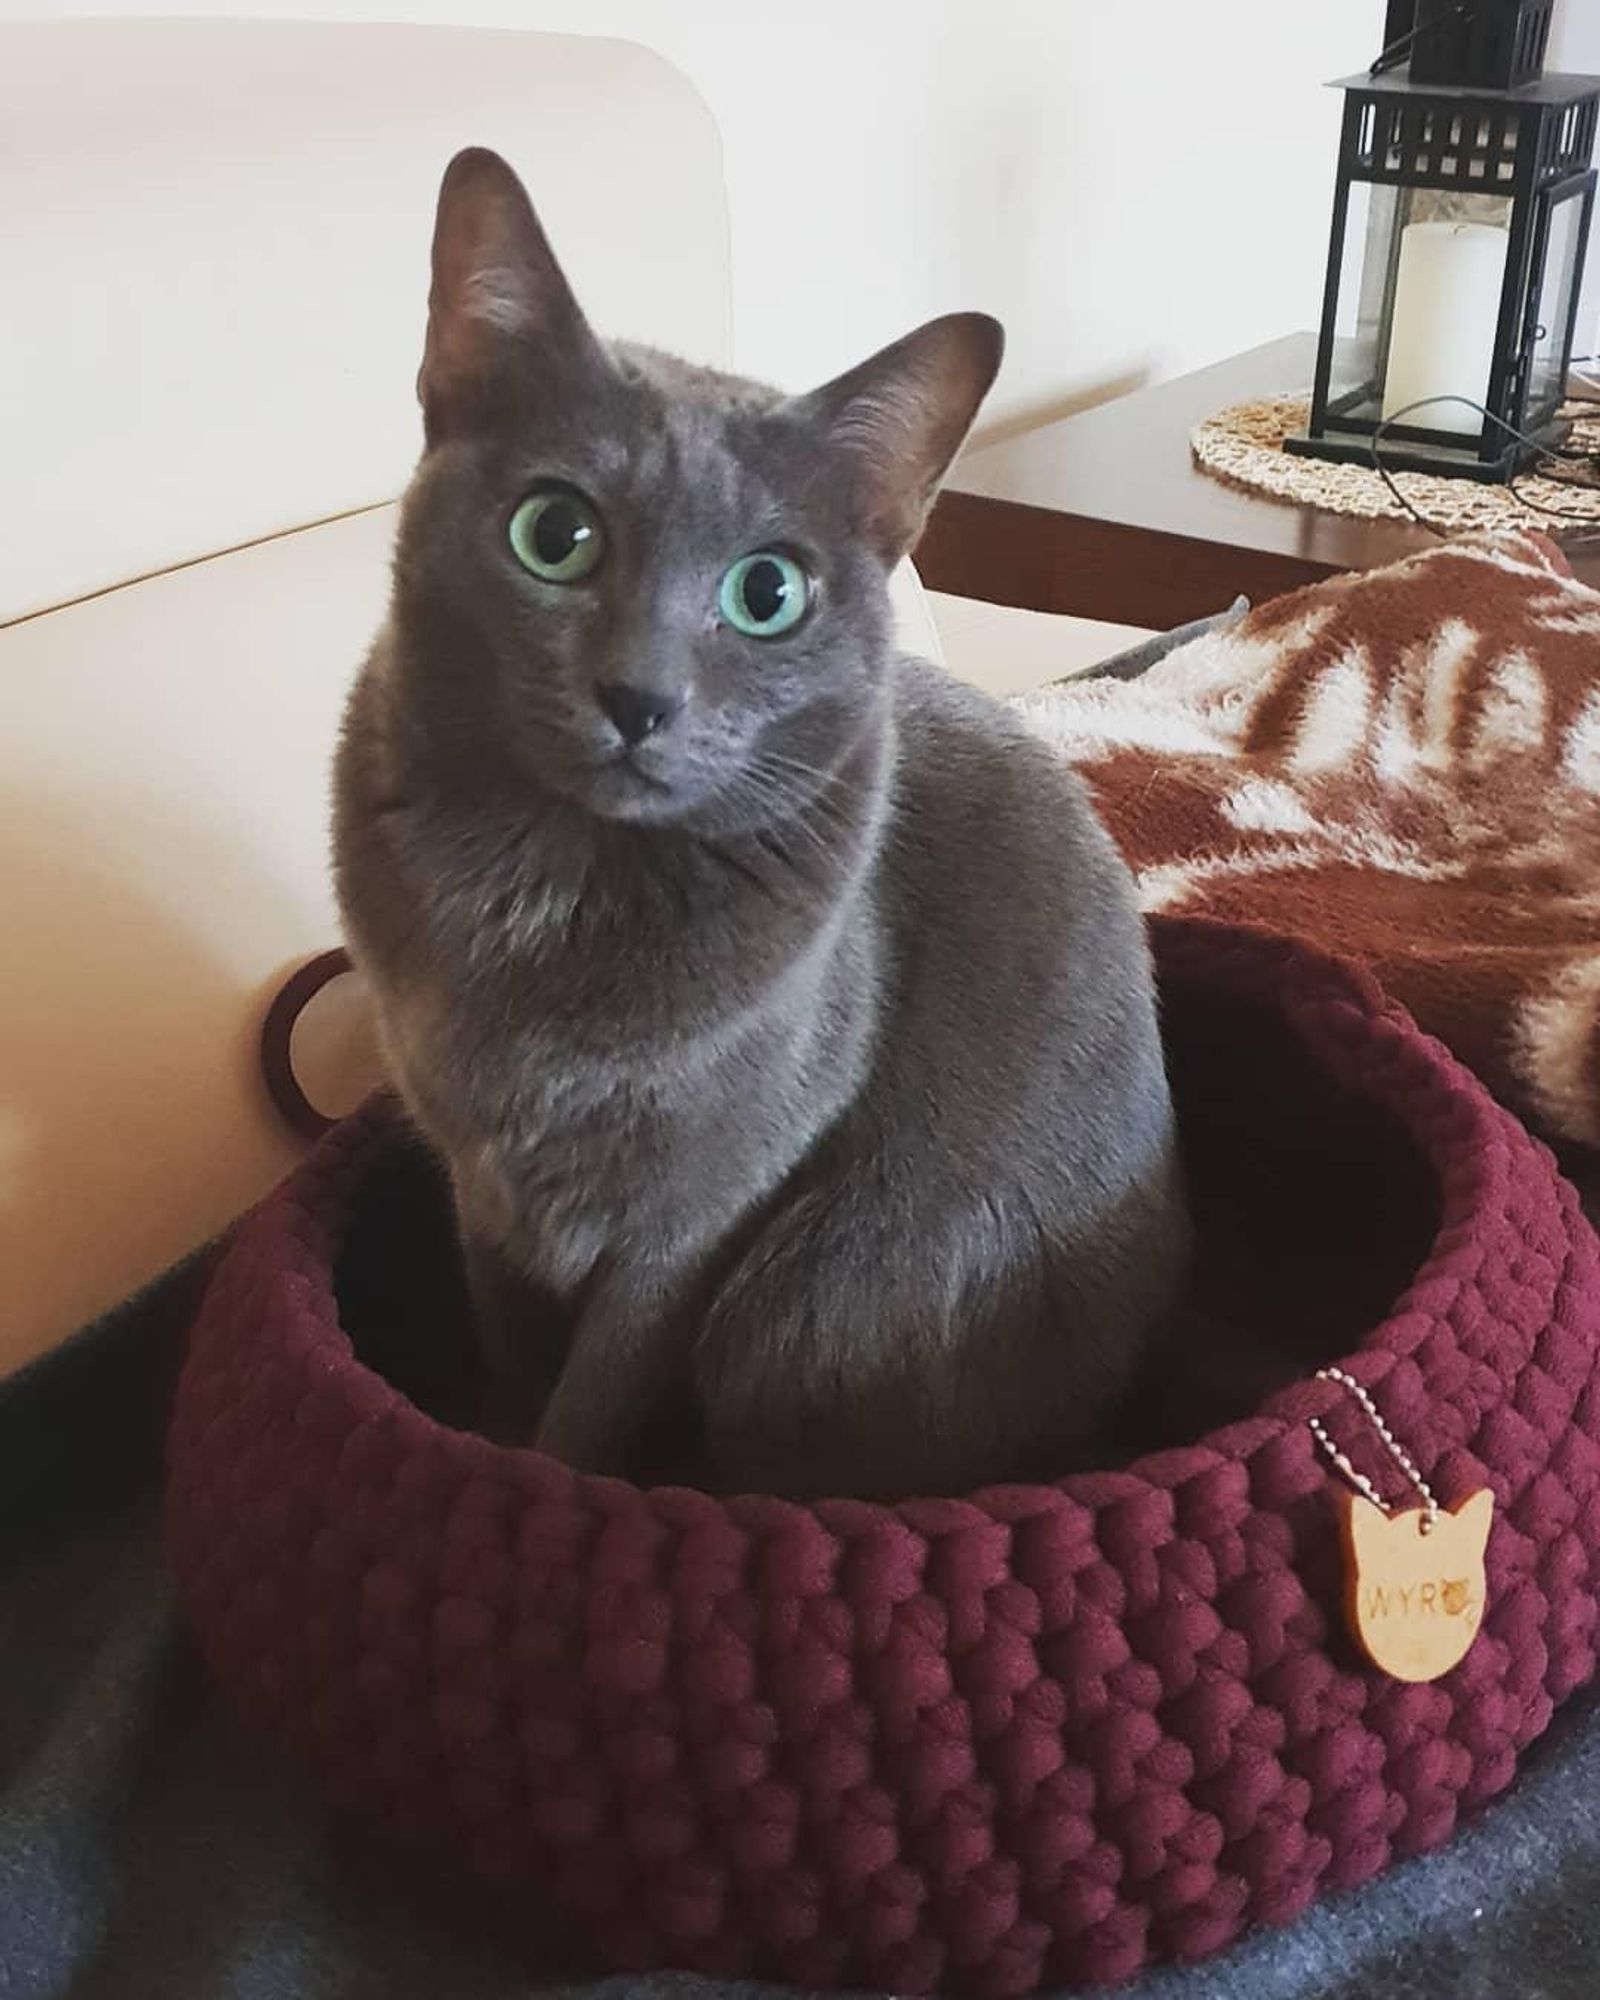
(951, 726)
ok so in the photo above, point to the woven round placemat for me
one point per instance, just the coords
(1243, 445)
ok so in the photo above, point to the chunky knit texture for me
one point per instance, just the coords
(1038, 1736)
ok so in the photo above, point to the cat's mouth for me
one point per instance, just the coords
(627, 761)
(623, 786)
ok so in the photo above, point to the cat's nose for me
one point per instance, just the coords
(638, 712)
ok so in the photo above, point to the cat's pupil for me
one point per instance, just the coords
(559, 530)
(766, 590)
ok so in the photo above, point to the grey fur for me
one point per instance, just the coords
(798, 1069)
(1139, 659)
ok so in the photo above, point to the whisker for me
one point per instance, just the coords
(780, 760)
(799, 782)
(824, 781)
(731, 862)
(756, 788)
(806, 807)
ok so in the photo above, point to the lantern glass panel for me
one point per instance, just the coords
(1358, 335)
(1418, 311)
(1559, 278)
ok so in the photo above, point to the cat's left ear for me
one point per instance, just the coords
(502, 319)
(898, 420)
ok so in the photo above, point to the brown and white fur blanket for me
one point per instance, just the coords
(1403, 767)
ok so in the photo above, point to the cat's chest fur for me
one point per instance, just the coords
(566, 1159)
(608, 1082)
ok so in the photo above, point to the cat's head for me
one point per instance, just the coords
(652, 590)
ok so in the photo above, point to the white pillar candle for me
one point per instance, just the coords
(1446, 314)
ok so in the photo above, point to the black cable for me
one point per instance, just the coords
(1402, 45)
(1577, 452)
(1548, 455)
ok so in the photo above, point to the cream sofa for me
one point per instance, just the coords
(214, 240)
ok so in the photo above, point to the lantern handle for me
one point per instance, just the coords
(1402, 45)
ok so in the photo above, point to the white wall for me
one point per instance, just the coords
(214, 247)
(1135, 186)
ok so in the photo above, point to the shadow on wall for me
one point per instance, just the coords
(1039, 414)
(127, 1046)
(1131, 190)
(993, 219)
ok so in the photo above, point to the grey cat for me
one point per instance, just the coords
(778, 1006)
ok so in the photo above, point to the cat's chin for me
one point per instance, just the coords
(622, 791)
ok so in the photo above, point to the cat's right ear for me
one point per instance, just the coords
(897, 421)
(501, 314)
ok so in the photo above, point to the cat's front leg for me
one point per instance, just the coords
(522, 1334)
(624, 1376)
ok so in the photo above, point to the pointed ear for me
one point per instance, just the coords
(1475, 1517)
(898, 420)
(499, 306)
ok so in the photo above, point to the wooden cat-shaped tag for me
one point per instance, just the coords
(1414, 1600)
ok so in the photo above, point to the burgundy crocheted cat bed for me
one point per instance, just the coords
(1039, 1736)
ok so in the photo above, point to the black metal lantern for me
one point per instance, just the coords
(1460, 223)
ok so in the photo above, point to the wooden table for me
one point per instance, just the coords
(1105, 515)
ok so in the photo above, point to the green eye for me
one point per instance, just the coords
(764, 595)
(558, 535)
